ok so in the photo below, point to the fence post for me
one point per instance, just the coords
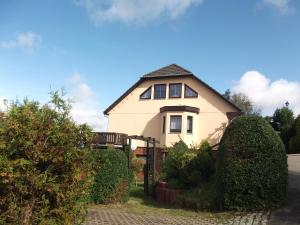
(146, 172)
(129, 154)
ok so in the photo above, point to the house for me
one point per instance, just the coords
(170, 104)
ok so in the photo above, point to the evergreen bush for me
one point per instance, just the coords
(251, 166)
(44, 174)
(112, 180)
(186, 168)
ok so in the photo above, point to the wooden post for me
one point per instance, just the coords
(154, 161)
(129, 154)
(146, 172)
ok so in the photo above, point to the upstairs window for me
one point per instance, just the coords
(175, 90)
(175, 124)
(189, 125)
(159, 91)
(189, 92)
(146, 94)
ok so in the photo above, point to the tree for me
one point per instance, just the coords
(283, 119)
(243, 102)
(227, 94)
(44, 174)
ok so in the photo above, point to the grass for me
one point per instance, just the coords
(139, 204)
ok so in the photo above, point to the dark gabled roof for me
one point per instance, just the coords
(172, 70)
(168, 71)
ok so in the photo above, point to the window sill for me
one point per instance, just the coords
(190, 96)
(170, 97)
(175, 132)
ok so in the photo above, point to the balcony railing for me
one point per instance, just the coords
(109, 138)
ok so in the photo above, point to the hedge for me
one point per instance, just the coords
(251, 166)
(112, 181)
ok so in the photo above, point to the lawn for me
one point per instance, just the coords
(139, 204)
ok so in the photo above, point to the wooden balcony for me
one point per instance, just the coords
(109, 138)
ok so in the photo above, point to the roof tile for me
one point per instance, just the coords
(171, 70)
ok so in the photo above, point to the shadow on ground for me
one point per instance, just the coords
(290, 214)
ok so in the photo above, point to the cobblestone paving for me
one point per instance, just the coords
(114, 217)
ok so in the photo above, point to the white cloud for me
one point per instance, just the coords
(85, 107)
(27, 41)
(267, 94)
(135, 11)
(282, 6)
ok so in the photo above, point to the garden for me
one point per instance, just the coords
(50, 175)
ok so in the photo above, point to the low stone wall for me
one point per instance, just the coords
(166, 195)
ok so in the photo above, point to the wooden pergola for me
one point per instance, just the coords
(120, 141)
(149, 169)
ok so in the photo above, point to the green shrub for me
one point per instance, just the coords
(44, 176)
(199, 198)
(251, 166)
(174, 160)
(186, 168)
(111, 183)
(294, 142)
(129, 153)
(200, 168)
(179, 155)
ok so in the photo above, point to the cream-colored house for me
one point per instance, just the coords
(171, 103)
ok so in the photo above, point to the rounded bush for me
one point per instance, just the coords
(111, 183)
(251, 166)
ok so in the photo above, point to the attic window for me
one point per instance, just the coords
(189, 92)
(146, 94)
(175, 90)
(159, 91)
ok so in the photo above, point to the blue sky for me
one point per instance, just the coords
(99, 48)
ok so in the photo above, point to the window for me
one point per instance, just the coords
(175, 90)
(159, 91)
(189, 92)
(164, 125)
(175, 124)
(189, 126)
(146, 94)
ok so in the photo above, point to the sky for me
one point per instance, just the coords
(96, 49)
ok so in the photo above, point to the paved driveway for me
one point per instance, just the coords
(290, 214)
(116, 217)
